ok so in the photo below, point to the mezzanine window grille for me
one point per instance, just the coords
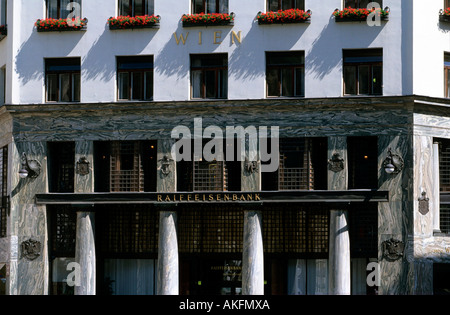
(63, 230)
(363, 222)
(209, 76)
(444, 219)
(285, 74)
(135, 78)
(447, 75)
(59, 9)
(61, 157)
(4, 198)
(209, 6)
(63, 79)
(136, 7)
(363, 72)
(360, 4)
(127, 172)
(444, 164)
(275, 5)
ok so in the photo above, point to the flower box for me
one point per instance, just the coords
(444, 15)
(358, 15)
(136, 22)
(284, 17)
(207, 19)
(61, 25)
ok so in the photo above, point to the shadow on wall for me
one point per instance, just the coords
(97, 63)
(320, 61)
(28, 66)
(245, 61)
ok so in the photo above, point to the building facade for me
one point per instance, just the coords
(113, 138)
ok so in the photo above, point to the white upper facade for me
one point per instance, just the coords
(413, 42)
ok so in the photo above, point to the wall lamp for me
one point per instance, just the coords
(393, 164)
(30, 168)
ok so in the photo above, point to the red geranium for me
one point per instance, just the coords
(135, 21)
(283, 16)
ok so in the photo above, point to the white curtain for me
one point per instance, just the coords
(131, 276)
(308, 277)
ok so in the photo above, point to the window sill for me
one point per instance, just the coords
(441, 234)
(133, 27)
(82, 29)
(202, 23)
(356, 19)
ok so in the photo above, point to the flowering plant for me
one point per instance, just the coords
(60, 24)
(358, 14)
(446, 12)
(124, 22)
(207, 19)
(283, 16)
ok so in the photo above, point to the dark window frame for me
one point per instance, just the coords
(132, 8)
(204, 6)
(276, 5)
(447, 74)
(447, 4)
(67, 66)
(220, 75)
(4, 198)
(61, 170)
(359, 4)
(60, 10)
(358, 65)
(280, 68)
(144, 95)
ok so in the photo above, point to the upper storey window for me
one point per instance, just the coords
(360, 4)
(135, 78)
(209, 6)
(275, 5)
(285, 74)
(363, 72)
(209, 73)
(447, 74)
(447, 4)
(63, 79)
(136, 7)
(61, 9)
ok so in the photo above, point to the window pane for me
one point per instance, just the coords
(363, 79)
(198, 6)
(210, 84)
(300, 4)
(447, 3)
(52, 88)
(223, 6)
(351, 3)
(148, 85)
(52, 9)
(211, 6)
(76, 79)
(124, 86)
(136, 83)
(299, 82)
(223, 84)
(286, 4)
(64, 12)
(287, 84)
(377, 80)
(150, 7)
(273, 82)
(197, 84)
(272, 5)
(447, 75)
(138, 8)
(65, 88)
(350, 80)
(124, 7)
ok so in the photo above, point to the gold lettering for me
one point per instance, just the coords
(249, 197)
(196, 197)
(218, 197)
(235, 36)
(257, 197)
(167, 198)
(189, 197)
(211, 197)
(182, 38)
(217, 35)
(174, 197)
(181, 197)
(204, 196)
(242, 197)
(159, 198)
(199, 38)
(235, 197)
(226, 197)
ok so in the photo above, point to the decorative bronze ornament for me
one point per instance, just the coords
(250, 166)
(30, 168)
(336, 164)
(393, 164)
(31, 249)
(393, 249)
(424, 204)
(165, 165)
(83, 166)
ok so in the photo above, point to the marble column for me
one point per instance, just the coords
(253, 252)
(339, 246)
(436, 190)
(168, 264)
(85, 253)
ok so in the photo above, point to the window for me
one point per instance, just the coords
(135, 78)
(3, 11)
(2, 86)
(209, 6)
(136, 7)
(363, 72)
(447, 74)
(61, 157)
(360, 3)
(362, 162)
(4, 199)
(447, 4)
(60, 9)
(275, 5)
(285, 74)
(209, 76)
(125, 166)
(63, 79)
(444, 164)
